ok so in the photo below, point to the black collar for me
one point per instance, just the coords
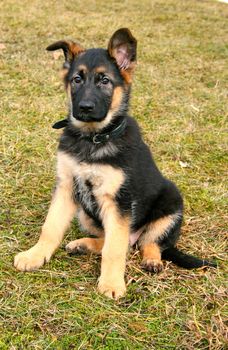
(99, 137)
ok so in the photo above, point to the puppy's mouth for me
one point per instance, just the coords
(88, 118)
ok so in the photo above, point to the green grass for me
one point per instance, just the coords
(179, 99)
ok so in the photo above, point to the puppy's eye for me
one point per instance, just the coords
(77, 79)
(105, 80)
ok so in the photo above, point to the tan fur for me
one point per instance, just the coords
(103, 69)
(151, 254)
(96, 126)
(116, 99)
(151, 257)
(82, 68)
(86, 244)
(74, 48)
(151, 251)
(157, 229)
(117, 229)
(59, 216)
(106, 181)
(100, 69)
(128, 73)
(64, 72)
(87, 224)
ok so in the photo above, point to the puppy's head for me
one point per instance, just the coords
(98, 80)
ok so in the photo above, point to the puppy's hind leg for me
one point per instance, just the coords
(151, 257)
(150, 241)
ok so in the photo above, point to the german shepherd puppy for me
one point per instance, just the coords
(106, 174)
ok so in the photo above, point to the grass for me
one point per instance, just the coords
(179, 99)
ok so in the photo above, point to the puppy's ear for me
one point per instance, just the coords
(70, 50)
(122, 47)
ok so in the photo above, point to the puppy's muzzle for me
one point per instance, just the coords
(86, 106)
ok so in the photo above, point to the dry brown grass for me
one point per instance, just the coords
(180, 101)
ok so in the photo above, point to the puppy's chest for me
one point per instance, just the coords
(83, 193)
(91, 181)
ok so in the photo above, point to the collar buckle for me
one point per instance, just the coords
(95, 140)
(100, 138)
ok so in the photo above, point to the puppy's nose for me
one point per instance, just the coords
(86, 106)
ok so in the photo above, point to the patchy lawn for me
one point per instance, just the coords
(179, 99)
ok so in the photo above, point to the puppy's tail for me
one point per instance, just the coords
(185, 260)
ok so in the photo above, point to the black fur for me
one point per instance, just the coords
(185, 260)
(91, 88)
(146, 194)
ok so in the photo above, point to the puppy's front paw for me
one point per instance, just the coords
(31, 259)
(113, 290)
(152, 265)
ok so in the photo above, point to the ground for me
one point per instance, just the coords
(179, 100)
